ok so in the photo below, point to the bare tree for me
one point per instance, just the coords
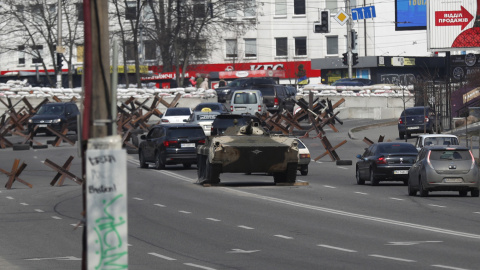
(72, 35)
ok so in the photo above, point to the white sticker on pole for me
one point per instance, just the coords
(107, 231)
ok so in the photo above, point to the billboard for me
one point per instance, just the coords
(410, 15)
(451, 25)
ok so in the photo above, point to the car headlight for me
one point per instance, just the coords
(55, 121)
(30, 121)
(226, 91)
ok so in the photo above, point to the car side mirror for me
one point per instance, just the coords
(143, 137)
(359, 156)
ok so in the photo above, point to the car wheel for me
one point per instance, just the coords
(159, 162)
(463, 193)
(411, 190)
(475, 193)
(423, 191)
(304, 170)
(373, 180)
(401, 135)
(187, 165)
(141, 158)
(405, 182)
(360, 181)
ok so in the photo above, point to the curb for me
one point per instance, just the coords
(382, 124)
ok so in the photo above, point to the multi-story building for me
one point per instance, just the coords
(284, 38)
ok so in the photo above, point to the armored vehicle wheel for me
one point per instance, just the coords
(159, 161)
(213, 173)
(141, 158)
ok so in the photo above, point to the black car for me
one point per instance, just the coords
(385, 161)
(224, 93)
(211, 107)
(168, 144)
(224, 121)
(418, 119)
(54, 115)
(275, 97)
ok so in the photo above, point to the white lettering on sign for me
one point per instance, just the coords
(266, 67)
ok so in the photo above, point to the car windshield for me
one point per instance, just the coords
(267, 91)
(415, 111)
(51, 110)
(441, 141)
(301, 145)
(397, 148)
(450, 155)
(236, 83)
(177, 111)
(213, 107)
(185, 132)
(245, 98)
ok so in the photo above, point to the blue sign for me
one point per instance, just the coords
(363, 13)
(410, 15)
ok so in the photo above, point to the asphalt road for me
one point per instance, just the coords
(328, 222)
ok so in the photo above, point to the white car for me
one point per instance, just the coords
(435, 139)
(303, 157)
(176, 115)
(204, 119)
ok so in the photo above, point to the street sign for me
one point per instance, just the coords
(363, 13)
(341, 17)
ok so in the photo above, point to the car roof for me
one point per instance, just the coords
(437, 135)
(446, 147)
(173, 125)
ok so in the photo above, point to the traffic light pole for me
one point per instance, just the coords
(349, 37)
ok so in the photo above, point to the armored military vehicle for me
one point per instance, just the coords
(247, 149)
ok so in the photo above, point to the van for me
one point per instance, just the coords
(435, 139)
(224, 94)
(247, 102)
(275, 97)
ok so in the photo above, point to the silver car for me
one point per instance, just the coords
(444, 168)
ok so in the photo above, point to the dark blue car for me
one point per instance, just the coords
(418, 120)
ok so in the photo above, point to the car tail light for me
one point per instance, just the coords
(201, 141)
(428, 161)
(473, 160)
(275, 101)
(259, 108)
(400, 121)
(304, 155)
(381, 160)
(170, 143)
(231, 108)
(165, 120)
(426, 119)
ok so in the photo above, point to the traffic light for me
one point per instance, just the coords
(323, 26)
(354, 59)
(59, 60)
(345, 59)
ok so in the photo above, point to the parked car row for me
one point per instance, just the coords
(440, 164)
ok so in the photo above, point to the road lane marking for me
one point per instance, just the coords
(337, 248)
(213, 219)
(436, 205)
(237, 250)
(10, 198)
(411, 243)
(55, 217)
(199, 266)
(354, 215)
(161, 256)
(396, 199)
(329, 187)
(390, 258)
(345, 168)
(283, 236)
(448, 267)
(68, 258)
(24, 203)
(245, 227)
(39, 210)
(184, 212)
(361, 193)
(160, 205)
(138, 199)
(476, 212)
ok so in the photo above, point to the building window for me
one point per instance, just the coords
(250, 47)
(333, 5)
(37, 11)
(231, 47)
(199, 9)
(299, 7)
(249, 8)
(231, 9)
(37, 54)
(200, 49)
(148, 11)
(282, 46)
(150, 50)
(300, 46)
(130, 51)
(281, 7)
(80, 50)
(131, 10)
(20, 8)
(79, 11)
(332, 45)
(21, 54)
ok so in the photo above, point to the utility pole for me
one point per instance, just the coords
(349, 37)
(59, 48)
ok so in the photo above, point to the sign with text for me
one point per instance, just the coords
(451, 25)
(107, 230)
(410, 15)
(363, 13)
